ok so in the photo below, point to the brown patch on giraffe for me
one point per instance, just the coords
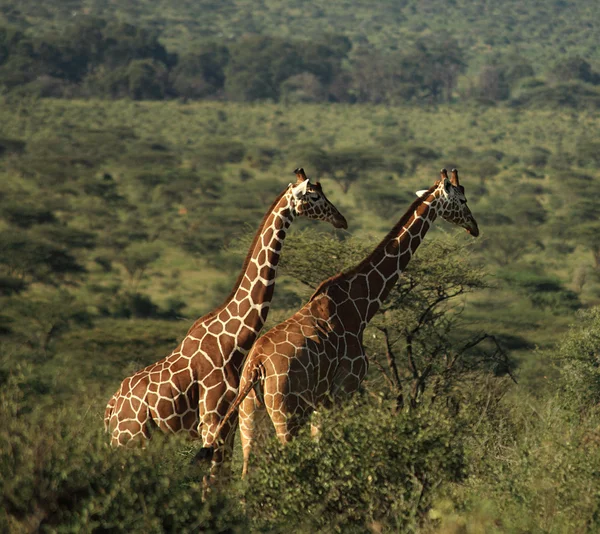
(179, 365)
(414, 245)
(267, 237)
(224, 316)
(189, 420)
(165, 390)
(295, 337)
(244, 306)
(154, 377)
(165, 375)
(174, 424)
(358, 288)
(233, 308)
(181, 379)
(234, 325)
(285, 347)
(261, 259)
(274, 263)
(349, 316)
(140, 387)
(307, 330)
(216, 327)
(416, 226)
(193, 395)
(190, 346)
(130, 425)
(376, 282)
(391, 248)
(141, 416)
(135, 403)
(252, 318)
(164, 408)
(260, 291)
(213, 378)
(246, 285)
(211, 348)
(227, 342)
(246, 335)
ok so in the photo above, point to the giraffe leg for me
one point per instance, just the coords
(220, 447)
(287, 425)
(247, 414)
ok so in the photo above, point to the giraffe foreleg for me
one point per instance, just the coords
(223, 452)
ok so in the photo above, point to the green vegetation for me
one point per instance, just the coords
(140, 145)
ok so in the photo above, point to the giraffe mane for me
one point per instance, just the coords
(394, 231)
(240, 277)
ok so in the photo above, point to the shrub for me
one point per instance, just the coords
(368, 466)
(578, 358)
(59, 475)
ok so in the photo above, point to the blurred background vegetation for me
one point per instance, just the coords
(141, 142)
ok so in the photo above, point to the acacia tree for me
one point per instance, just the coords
(420, 340)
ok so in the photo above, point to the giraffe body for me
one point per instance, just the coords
(191, 389)
(316, 356)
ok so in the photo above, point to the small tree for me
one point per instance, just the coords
(578, 358)
(40, 319)
(136, 259)
(418, 338)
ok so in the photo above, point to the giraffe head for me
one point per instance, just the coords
(309, 200)
(452, 203)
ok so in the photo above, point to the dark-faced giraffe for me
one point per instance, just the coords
(317, 355)
(191, 389)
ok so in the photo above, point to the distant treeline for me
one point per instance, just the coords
(97, 58)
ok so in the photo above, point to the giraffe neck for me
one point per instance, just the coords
(249, 302)
(370, 282)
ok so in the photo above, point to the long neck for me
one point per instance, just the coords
(370, 282)
(251, 296)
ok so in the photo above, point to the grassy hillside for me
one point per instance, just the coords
(539, 30)
(127, 206)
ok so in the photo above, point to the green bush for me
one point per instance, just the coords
(369, 466)
(578, 358)
(59, 475)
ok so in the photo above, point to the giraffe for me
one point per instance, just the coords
(317, 356)
(190, 390)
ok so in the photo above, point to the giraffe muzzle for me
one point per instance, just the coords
(340, 222)
(472, 228)
(205, 454)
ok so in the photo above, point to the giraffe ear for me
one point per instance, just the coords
(447, 184)
(454, 178)
(421, 192)
(300, 175)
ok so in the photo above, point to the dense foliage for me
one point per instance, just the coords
(404, 51)
(129, 196)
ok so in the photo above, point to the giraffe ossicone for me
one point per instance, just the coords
(317, 356)
(190, 390)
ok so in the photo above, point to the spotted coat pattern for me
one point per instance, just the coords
(317, 355)
(190, 390)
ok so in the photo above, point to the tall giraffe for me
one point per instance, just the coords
(191, 389)
(317, 355)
